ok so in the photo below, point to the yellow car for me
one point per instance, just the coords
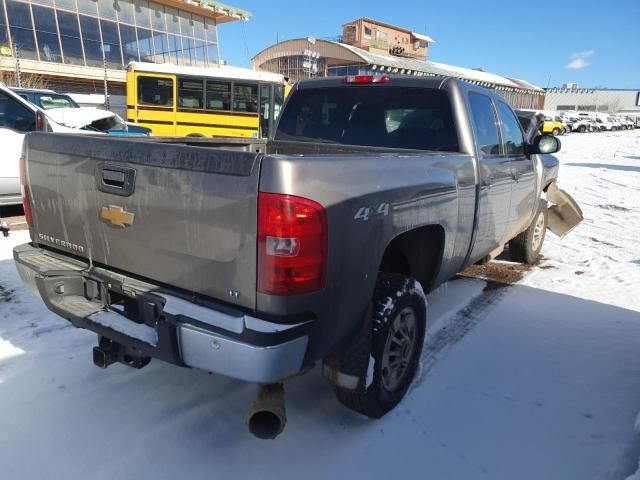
(553, 126)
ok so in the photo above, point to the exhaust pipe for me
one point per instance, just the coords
(266, 418)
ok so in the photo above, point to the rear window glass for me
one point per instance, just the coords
(391, 117)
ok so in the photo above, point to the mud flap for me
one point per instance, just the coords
(564, 214)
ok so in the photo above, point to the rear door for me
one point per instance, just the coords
(495, 178)
(523, 186)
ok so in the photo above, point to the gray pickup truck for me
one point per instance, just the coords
(258, 260)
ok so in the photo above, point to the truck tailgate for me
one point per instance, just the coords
(179, 215)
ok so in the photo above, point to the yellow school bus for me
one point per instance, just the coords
(220, 101)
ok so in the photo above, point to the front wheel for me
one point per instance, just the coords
(398, 327)
(555, 132)
(525, 247)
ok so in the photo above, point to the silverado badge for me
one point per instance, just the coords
(117, 216)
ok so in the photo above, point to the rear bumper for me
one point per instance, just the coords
(163, 325)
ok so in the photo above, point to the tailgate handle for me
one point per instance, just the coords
(115, 179)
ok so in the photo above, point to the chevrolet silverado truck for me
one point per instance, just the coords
(260, 259)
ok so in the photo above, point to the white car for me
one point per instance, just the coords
(18, 117)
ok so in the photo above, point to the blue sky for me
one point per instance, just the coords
(536, 40)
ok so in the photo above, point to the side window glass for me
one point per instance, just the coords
(218, 95)
(245, 98)
(513, 139)
(14, 115)
(485, 124)
(155, 91)
(191, 93)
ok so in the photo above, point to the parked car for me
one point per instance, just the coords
(553, 125)
(49, 100)
(271, 256)
(19, 116)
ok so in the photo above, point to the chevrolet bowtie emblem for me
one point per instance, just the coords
(117, 216)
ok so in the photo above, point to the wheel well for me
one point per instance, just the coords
(417, 254)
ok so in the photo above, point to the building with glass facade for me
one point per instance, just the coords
(68, 43)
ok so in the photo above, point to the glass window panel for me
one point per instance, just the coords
(44, 19)
(173, 21)
(513, 139)
(190, 93)
(93, 53)
(218, 95)
(212, 53)
(15, 115)
(143, 18)
(108, 9)
(125, 11)
(24, 41)
(48, 47)
(19, 14)
(68, 4)
(211, 31)
(485, 124)
(161, 47)
(188, 54)
(145, 44)
(198, 27)
(186, 25)
(3, 28)
(155, 91)
(129, 44)
(245, 97)
(111, 42)
(175, 49)
(157, 16)
(70, 38)
(88, 6)
(201, 54)
(90, 29)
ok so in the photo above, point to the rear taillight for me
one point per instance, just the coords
(24, 187)
(292, 245)
(366, 79)
(41, 122)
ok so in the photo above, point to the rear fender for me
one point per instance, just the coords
(564, 212)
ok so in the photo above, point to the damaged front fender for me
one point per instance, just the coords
(564, 213)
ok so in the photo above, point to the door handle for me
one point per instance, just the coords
(115, 179)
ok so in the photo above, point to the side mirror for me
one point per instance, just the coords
(544, 144)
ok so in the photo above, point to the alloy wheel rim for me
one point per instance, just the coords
(538, 232)
(398, 349)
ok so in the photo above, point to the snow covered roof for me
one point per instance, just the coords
(410, 65)
(424, 38)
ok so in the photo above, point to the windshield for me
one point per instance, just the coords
(392, 117)
(50, 101)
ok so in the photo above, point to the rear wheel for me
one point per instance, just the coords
(555, 132)
(525, 247)
(398, 329)
(582, 129)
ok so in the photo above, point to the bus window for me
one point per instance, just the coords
(278, 100)
(155, 91)
(191, 93)
(218, 95)
(265, 109)
(245, 98)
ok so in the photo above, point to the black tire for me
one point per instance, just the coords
(555, 132)
(525, 247)
(394, 296)
(582, 129)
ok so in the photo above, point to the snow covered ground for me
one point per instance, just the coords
(540, 380)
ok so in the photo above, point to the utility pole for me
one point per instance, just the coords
(18, 72)
(106, 84)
